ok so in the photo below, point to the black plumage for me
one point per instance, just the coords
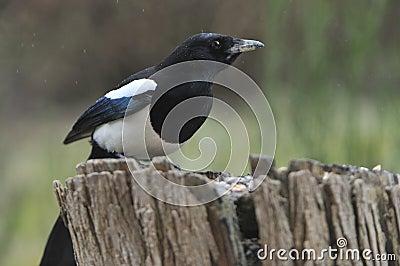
(104, 111)
(145, 91)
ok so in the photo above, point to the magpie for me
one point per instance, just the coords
(132, 119)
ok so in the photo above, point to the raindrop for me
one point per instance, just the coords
(84, 51)
(17, 70)
(45, 81)
(76, 82)
(143, 10)
(33, 45)
(22, 44)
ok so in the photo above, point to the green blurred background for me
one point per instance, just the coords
(330, 70)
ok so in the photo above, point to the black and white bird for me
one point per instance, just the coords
(132, 120)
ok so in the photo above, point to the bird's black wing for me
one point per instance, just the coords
(106, 110)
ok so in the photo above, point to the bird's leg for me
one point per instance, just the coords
(212, 174)
(120, 156)
(175, 165)
(144, 163)
(209, 173)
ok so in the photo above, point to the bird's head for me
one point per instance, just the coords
(211, 46)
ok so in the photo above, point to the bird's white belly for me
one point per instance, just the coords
(134, 136)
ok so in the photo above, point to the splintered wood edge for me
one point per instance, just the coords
(60, 192)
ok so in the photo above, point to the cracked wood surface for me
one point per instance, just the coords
(113, 221)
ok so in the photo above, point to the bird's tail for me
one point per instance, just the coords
(58, 251)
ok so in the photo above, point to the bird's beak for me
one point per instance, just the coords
(242, 45)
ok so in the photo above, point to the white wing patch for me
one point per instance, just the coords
(134, 136)
(133, 88)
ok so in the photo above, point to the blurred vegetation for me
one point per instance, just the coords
(332, 75)
(330, 70)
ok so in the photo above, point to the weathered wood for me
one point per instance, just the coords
(106, 209)
(307, 205)
(272, 221)
(340, 212)
(307, 213)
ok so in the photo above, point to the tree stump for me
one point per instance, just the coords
(308, 205)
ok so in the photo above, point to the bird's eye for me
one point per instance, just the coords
(216, 44)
